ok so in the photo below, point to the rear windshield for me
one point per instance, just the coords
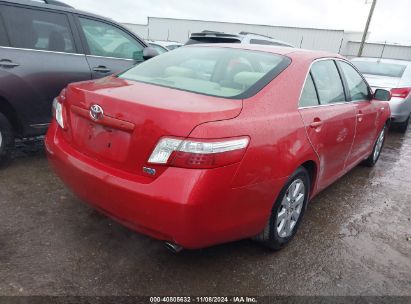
(216, 71)
(380, 68)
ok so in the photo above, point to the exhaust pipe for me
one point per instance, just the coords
(174, 248)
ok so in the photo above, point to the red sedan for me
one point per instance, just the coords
(214, 143)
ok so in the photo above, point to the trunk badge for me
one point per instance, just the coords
(96, 112)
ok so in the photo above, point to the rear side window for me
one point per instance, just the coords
(109, 41)
(328, 82)
(3, 36)
(356, 84)
(39, 30)
(309, 96)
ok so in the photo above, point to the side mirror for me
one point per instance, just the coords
(383, 95)
(149, 53)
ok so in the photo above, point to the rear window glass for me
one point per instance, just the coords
(215, 71)
(380, 68)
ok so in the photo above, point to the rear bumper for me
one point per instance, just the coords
(193, 208)
(400, 109)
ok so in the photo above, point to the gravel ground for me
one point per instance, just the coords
(355, 240)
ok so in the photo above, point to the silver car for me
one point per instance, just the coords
(243, 38)
(393, 75)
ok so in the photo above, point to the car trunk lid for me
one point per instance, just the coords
(376, 81)
(135, 116)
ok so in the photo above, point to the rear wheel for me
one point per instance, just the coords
(376, 152)
(403, 126)
(6, 140)
(287, 212)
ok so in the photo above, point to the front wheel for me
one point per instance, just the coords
(288, 211)
(6, 140)
(376, 152)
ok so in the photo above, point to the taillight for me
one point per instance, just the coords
(199, 153)
(401, 92)
(58, 108)
(58, 112)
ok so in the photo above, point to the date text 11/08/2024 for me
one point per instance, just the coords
(203, 300)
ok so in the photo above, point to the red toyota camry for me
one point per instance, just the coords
(214, 143)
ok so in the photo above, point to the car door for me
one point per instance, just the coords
(110, 49)
(366, 112)
(39, 60)
(329, 120)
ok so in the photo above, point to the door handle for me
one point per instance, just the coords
(101, 69)
(316, 124)
(360, 116)
(7, 63)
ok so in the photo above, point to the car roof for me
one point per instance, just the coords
(263, 37)
(56, 6)
(164, 42)
(383, 60)
(280, 50)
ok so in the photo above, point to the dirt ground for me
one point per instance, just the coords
(355, 239)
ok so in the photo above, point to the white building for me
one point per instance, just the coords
(336, 41)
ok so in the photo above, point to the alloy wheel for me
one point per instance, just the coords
(291, 208)
(378, 145)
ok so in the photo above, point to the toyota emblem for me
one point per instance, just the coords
(96, 112)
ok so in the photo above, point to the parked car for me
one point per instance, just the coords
(45, 46)
(164, 46)
(242, 38)
(197, 159)
(393, 75)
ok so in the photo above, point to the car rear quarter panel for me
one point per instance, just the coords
(278, 140)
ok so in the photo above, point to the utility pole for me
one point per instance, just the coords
(367, 26)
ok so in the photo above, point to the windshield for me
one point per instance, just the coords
(380, 68)
(216, 71)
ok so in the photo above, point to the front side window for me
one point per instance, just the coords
(39, 30)
(328, 82)
(217, 71)
(109, 41)
(356, 84)
(309, 96)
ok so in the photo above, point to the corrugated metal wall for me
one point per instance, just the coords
(379, 50)
(336, 41)
(180, 30)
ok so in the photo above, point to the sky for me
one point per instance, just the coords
(391, 21)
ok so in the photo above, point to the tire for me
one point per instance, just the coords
(403, 126)
(275, 235)
(6, 140)
(378, 145)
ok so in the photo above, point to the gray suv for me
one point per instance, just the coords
(45, 46)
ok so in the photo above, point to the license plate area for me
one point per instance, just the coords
(100, 141)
